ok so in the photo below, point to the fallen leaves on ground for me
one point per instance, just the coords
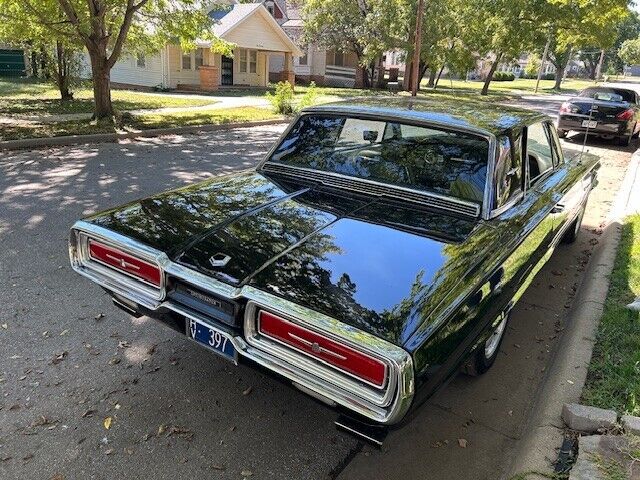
(247, 391)
(246, 473)
(59, 357)
(107, 422)
(462, 442)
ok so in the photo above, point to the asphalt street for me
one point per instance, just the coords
(72, 365)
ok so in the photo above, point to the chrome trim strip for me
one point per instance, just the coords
(470, 208)
(252, 333)
(386, 406)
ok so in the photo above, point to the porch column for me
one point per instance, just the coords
(209, 74)
(287, 74)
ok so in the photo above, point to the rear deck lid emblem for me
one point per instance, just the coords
(219, 260)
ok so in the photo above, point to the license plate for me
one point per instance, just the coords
(212, 338)
(589, 123)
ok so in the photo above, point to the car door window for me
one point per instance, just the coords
(558, 156)
(508, 172)
(539, 152)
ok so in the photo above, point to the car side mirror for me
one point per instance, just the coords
(370, 135)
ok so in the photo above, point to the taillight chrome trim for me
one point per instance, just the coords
(387, 405)
(117, 280)
(322, 334)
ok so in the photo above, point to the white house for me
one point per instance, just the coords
(256, 36)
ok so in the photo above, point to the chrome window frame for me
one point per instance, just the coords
(384, 406)
(484, 209)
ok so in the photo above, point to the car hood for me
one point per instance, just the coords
(379, 266)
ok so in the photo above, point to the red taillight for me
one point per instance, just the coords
(565, 107)
(336, 354)
(124, 262)
(626, 115)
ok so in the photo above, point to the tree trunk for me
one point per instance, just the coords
(435, 85)
(101, 75)
(492, 70)
(62, 73)
(406, 82)
(432, 77)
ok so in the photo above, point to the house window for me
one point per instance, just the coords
(141, 61)
(248, 61)
(304, 59)
(253, 61)
(186, 60)
(243, 61)
(199, 57)
(271, 9)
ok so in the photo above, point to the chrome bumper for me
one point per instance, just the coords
(383, 406)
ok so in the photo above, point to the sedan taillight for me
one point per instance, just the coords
(626, 115)
(567, 107)
(338, 355)
(125, 263)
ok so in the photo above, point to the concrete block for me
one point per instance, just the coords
(631, 424)
(587, 419)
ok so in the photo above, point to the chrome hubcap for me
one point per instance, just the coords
(494, 340)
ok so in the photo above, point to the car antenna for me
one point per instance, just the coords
(586, 133)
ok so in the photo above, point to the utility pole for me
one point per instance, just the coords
(415, 71)
(544, 59)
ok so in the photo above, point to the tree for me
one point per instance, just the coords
(507, 33)
(573, 25)
(364, 27)
(107, 28)
(59, 57)
(629, 52)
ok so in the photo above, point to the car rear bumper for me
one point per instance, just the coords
(604, 127)
(385, 406)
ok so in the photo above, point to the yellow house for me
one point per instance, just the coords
(256, 37)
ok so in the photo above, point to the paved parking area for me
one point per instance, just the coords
(69, 360)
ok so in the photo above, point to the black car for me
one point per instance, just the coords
(609, 112)
(379, 247)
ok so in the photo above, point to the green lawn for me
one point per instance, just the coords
(202, 117)
(523, 85)
(138, 122)
(32, 98)
(614, 373)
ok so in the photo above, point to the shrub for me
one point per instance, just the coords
(309, 98)
(282, 98)
(503, 77)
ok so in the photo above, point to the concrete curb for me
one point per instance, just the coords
(566, 377)
(30, 143)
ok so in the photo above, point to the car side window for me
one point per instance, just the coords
(539, 151)
(558, 156)
(508, 173)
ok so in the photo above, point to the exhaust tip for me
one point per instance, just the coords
(371, 434)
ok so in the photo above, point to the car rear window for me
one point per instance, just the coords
(431, 159)
(609, 94)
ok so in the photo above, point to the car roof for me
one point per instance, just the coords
(478, 116)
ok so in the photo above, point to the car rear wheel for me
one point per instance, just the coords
(626, 140)
(486, 354)
(562, 133)
(572, 233)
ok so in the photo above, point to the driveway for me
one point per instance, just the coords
(72, 364)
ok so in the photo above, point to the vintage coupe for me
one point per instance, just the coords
(609, 112)
(377, 249)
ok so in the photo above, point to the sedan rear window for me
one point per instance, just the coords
(434, 160)
(609, 94)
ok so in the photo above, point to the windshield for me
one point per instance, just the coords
(609, 94)
(425, 158)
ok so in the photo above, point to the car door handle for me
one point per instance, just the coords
(559, 208)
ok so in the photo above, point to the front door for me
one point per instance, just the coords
(227, 71)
